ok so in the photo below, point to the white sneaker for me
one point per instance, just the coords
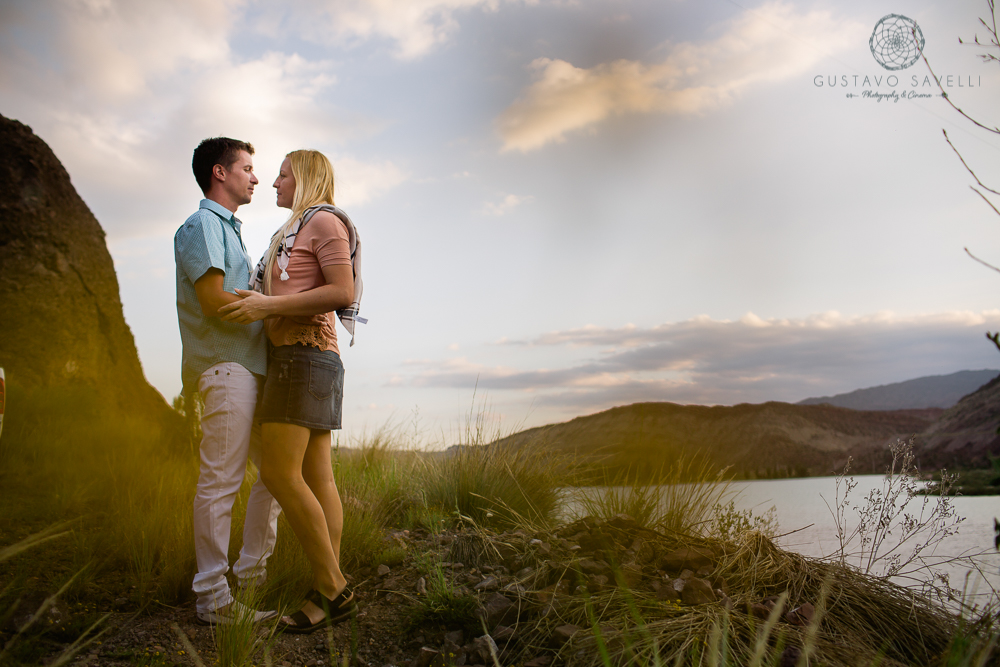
(236, 612)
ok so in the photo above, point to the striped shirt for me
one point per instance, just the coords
(210, 238)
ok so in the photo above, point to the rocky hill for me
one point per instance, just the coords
(932, 391)
(967, 434)
(61, 318)
(762, 440)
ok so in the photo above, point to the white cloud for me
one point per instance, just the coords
(749, 360)
(504, 205)
(769, 44)
(415, 26)
(123, 92)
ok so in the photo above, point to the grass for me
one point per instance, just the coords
(114, 496)
(682, 498)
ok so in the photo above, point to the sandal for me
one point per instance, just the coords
(337, 610)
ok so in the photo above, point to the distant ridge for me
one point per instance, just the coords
(755, 440)
(932, 391)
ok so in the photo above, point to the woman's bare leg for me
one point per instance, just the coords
(317, 470)
(283, 453)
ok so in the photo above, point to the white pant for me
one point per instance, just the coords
(228, 438)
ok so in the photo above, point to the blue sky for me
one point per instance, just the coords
(564, 206)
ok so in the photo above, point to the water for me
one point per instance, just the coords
(806, 524)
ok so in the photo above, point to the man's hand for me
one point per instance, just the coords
(251, 307)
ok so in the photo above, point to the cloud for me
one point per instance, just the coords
(772, 43)
(724, 362)
(123, 92)
(415, 26)
(504, 205)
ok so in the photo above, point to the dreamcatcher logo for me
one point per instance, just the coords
(896, 42)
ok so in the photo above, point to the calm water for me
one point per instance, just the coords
(801, 505)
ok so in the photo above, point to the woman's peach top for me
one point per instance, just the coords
(320, 242)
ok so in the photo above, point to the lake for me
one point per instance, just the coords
(801, 505)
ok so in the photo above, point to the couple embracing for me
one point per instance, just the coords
(261, 347)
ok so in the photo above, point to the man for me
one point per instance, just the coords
(226, 363)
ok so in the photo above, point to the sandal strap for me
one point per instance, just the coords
(300, 619)
(344, 598)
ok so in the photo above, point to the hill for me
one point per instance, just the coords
(757, 440)
(967, 434)
(932, 391)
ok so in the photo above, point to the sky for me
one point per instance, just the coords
(564, 205)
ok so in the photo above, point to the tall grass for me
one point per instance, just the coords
(682, 497)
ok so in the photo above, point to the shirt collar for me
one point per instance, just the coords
(221, 211)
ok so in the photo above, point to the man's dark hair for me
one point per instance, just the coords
(217, 150)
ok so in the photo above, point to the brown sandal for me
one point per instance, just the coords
(337, 610)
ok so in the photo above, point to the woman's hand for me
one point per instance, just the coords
(251, 307)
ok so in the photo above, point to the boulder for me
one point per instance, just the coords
(61, 319)
(686, 557)
(697, 591)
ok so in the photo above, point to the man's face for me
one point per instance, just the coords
(240, 179)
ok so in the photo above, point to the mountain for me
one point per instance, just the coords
(757, 440)
(967, 434)
(62, 323)
(932, 391)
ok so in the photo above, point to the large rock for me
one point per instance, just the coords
(61, 322)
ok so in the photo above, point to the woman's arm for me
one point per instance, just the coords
(337, 293)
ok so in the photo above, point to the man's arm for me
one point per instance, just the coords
(337, 293)
(211, 296)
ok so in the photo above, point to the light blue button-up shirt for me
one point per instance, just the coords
(210, 238)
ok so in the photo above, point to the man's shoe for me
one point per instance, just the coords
(235, 613)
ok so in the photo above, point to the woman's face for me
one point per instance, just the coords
(285, 185)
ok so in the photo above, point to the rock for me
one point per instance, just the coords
(563, 634)
(483, 649)
(451, 651)
(697, 591)
(487, 584)
(686, 557)
(539, 661)
(597, 581)
(668, 593)
(62, 319)
(421, 586)
(678, 584)
(426, 656)
(790, 656)
(502, 633)
(498, 610)
(506, 552)
(761, 611)
(383, 570)
(631, 575)
(801, 615)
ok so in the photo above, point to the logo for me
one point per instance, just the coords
(896, 42)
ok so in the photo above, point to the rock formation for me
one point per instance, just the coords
(61, 321)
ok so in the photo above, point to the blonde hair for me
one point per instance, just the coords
(313, 176)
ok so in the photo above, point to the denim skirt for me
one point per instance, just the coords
(304, 386)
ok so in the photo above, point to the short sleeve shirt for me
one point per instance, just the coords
(323, 241)
(209, 239)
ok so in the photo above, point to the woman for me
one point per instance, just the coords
(305, 275)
